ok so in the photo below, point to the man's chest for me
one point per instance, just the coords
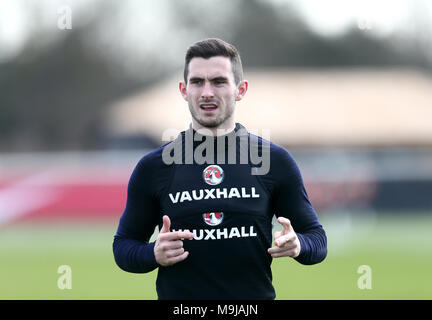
(211, 194)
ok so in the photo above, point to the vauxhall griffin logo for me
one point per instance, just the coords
(213, 218)
(213, 175)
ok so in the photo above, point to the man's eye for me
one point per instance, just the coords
(196, 81)
(219, 82)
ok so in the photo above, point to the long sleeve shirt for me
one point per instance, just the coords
(227, 207)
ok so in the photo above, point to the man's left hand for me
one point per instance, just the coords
(286, 241)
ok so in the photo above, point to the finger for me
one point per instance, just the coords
(174, 253)
(169, 236)
(174, 244)
(179, 258)
(286, 224)
(278, 249)
(289, 253)
(283, 240)
(166, 224)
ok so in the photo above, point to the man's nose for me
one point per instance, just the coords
(207, 90)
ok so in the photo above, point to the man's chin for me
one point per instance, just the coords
(210, 124)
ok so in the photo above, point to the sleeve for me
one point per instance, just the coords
(291, 201)
(131, 247)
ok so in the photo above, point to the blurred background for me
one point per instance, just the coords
(88, 87)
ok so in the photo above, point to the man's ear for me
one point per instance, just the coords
(182, 88)
(242, 89)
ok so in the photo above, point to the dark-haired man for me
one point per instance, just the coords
(215, 214)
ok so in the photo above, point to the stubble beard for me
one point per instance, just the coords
(212, 122)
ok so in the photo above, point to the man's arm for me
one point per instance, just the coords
(131, 247)
(302, 236)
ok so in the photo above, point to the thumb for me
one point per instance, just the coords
(166, 224)
(286, 224)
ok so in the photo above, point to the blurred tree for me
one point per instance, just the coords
(54, 96)
(274, 38)
(269, 35)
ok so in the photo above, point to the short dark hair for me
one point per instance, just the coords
(213, 47)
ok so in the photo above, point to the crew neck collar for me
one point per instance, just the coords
(239, 130)
(190, 139)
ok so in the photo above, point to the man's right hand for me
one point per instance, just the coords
(168, 248)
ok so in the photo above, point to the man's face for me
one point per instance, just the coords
(211, 92)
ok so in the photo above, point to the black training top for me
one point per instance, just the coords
(227, 207)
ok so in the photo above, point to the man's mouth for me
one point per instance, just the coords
(208, 106)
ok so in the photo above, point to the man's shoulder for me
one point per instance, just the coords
(153, 158)
(282, 163)
(277, 151)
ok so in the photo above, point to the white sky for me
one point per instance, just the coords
(332, 16)
(328, 17)
(17, 20)
(12, 32)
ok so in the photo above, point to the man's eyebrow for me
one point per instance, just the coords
(220, 78)
(195, 79)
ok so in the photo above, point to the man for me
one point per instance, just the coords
(215, 218)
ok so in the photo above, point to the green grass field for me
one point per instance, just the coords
(397, 249)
